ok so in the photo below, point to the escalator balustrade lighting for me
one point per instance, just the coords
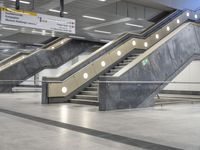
(157, 36)
(119, 53)
(103, 63)
(188, 14)
(177, 21)
(145, 44)
(168, 28)
(64, 90)
(62, 42)
(196, 16)
(134, 43)
(85, 75)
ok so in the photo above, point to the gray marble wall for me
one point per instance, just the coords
(163, 65)
(42, 60)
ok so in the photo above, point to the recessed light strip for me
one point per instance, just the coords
(8, 41)
(23, 2)
(104, 32)
(12, 29)
(102, 40)
(57, 11)
(94, 18)
(134, 25)
(77, 37)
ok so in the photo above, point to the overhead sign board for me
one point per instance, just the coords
(37, 21)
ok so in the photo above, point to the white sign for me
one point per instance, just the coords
(37, 21)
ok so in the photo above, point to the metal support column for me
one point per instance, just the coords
(61, 8)
(17, 4)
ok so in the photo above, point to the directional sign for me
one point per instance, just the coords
(37, 21)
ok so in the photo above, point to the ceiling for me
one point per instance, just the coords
(115, 14)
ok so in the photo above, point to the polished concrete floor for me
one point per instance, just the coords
(25, 124)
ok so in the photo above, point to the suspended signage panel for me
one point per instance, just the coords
(37, 21)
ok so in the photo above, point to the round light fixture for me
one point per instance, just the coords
(62, 42)
(145, 44)
(168, 28)
(119, 53)
(134, 43)
(157, 36)
(188, 14)
(85, 75)
(52, 47)
(103, 63)
(64, 90)
(177, 21)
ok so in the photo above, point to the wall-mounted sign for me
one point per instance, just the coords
(37, 21)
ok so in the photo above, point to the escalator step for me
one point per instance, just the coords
(91, 89)
(95, 93)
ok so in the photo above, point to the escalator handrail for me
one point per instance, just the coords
(120, 40)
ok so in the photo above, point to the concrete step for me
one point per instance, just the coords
(131, 57)
(86, 97)
(127, 61)
(91, 89)
(123, 64)
(119, 67)
(95, 93)
(83, 101)
(109, 74)
(114, 70)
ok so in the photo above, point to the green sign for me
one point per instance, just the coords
(145, 62)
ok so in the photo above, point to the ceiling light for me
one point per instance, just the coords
(76, 37)
(134, 25)
(23, 2)
(53, 47)
(195, 16)
(102, 40)
(102, 0)
(12, 29)
(57, 11)
(187, 14)
(8, 41)
(104, 32)
(94, 18)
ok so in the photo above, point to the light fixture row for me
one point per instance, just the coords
(119, 53)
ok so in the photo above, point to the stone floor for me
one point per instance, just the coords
(168, 127)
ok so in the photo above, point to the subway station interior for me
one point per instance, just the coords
(99, 74)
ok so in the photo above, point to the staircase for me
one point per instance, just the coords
(89, 95)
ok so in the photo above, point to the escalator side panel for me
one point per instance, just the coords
(163, 64)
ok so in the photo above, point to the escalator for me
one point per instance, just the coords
(22, 66)
(106, 79)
